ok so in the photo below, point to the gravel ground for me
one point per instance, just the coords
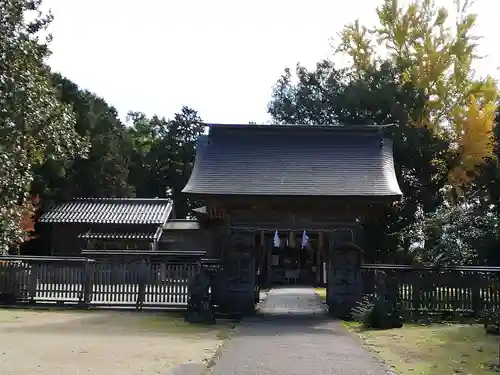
(292, 335)
(99, 343)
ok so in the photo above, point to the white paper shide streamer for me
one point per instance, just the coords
(276, 239)
(305, 239)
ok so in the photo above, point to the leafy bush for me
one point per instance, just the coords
(363, 310)
(376, 312)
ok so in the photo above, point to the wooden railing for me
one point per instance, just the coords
(466, 290)
(86, 282)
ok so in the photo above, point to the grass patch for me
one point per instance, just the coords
(440, 349)
(168, 322)
(321, 293)
(175, 323)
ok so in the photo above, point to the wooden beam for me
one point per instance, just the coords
(321, 243)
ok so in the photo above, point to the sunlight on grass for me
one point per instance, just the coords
(175, 323)
(321, 292)
(167, 322)
(441, 349)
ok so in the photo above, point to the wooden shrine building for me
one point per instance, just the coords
(107, 226)
(284, 203)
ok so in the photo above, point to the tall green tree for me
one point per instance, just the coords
(316, 98)
(34, 125)
(108, 160)
(458, 234)
(163, 152)
(487, 185)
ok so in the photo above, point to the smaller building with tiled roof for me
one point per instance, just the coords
(98, 225)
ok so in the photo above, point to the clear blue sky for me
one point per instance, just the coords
(221, 57)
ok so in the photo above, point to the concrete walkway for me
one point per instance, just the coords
(293, 335)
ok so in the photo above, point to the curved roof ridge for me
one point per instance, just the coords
(333, 127)
(117, 199)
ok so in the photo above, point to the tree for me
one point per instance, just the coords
(28, 219)
(488, 182)
(107, 161)
(436, 58)
(180, 144)
(34, 125)
(163, 153)
(316, 98)
(458, 234)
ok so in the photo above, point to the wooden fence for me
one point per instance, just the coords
(86, 282)
(454, 290)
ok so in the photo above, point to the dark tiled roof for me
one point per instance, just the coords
(182, 225)
(294, 161)
(110, 211)
(150, 235)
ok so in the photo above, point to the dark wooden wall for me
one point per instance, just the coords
(189, 240)
(65, 241)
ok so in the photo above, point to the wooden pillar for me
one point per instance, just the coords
(344, 279)
(320, 257)
(227, 243)
(53, 240)
(262, 257)
(262, 242)
(269, 253)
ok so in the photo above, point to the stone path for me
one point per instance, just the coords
(292, 335)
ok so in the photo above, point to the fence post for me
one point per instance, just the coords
(142, 284)
(88, 276)
(392, 285)
(476, 285)
(33, 281)
(416, 291)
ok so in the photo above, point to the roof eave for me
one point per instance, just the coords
(393, 196)
(93, 222)
(334, 127)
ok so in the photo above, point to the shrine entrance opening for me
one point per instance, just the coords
(293, 258)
